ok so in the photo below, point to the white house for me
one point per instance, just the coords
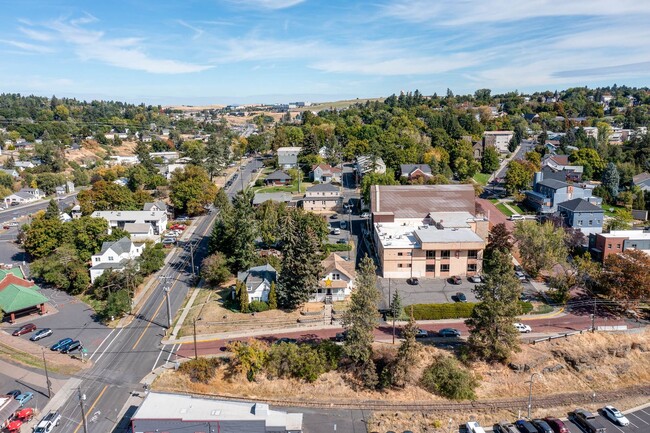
(156, 219)
(24, 164)
(123, 159)
(115, 256)
(322, 197)
(155, 206)
(25, 195)
(258, 282)
(11, 172)
(337, 279)
(325, 173)
(141, 232)
(288, 157)
(368, 163)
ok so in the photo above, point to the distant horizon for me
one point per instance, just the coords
(270, 51)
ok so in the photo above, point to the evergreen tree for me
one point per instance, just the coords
(301, 266)
(406, 354)
(360, 320)
(611, 179)
(492, 336)
(273, 297)
(242, 293)
(396, 305)
(52, 212)
(244, 232)
(222, 201)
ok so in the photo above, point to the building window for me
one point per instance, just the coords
(410, 253)
(430, 268)
(110, 258)
(399, 265)
(400, 254)
(472, 254)
(431, 254)
(444, 268)
(444, 254)
(591, 222)
(618, 246)
(471, 267)
(579, 222)
(609, 246)
(634, 246)
(408, 265)
(97, 259)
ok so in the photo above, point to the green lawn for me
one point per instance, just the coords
(607, 207)
(494, 200)
(519, 210)
(504, 210)
(293, 188)
(481, 178)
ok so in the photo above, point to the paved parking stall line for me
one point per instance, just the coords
(642, 420)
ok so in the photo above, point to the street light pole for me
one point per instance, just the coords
(82, 398)
(530, 393)
(169, 308)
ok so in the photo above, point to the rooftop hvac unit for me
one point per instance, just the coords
(388, 243)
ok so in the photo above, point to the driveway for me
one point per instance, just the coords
(429, 291)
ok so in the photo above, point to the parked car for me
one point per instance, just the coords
(25, 329)
(343, 225)
(180, 227)
(336, 231)
(285, 340)
(461, 297)
(341, 241)
(523, 328)
(542, 426)
(587, 421)
(413, 281)
(449, 332)
(521, 276)
(515, 217)
(365, 215)
(40, 334)
(421, 333)
(61, 344)
(168, 241)
(341, 336)
(182, 218)
(557, 425)
(525, 426)
(49, 421)
(474, 427)
(455, 280)
(475, 279)
(75, 345)
(14, 393)
(24, 398)
(615, 416)
(505, 427)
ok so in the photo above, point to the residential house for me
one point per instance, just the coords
(337, 279)
(278, 178)
(323, 197)
(548, 193)
(369, 163)
(75, 213)
(25, 195)
(258, 281)
(288, 157)
(180, 413)
(498, 139)
(582, 215)
(427, 230)
(325, 173)
(531, 117)
(18, 296)
(115, 256)
(22, 165)
(11, 172)
(412, 171)
(141, 232)
(277, 197)
(642, 180)
(156, 206)
(591, 131)
(167, 157)
(64, 189)
(602, 245)
(157, 219)
(123, 159)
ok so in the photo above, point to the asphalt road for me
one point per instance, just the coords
(130, 353)
(17, 212)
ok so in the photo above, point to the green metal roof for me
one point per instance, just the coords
(15, 298)
(15, 271)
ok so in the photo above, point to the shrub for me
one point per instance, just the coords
(259, 182)
(446, 378)
(297, 361)
(331, 353)
(526, 307)
(258, 306)
(456, 310)
(248, 357)
(201, 369)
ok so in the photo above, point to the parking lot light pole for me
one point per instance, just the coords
(530, 393)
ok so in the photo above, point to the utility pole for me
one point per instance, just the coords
(47, 376)
(593, 317)
(196, 352)
(169, 308)
(530, 393)
(82, 398)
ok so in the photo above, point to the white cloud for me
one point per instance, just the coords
(268, 4)
(462, 12)
(395, 66)
(38, 49)
(124, 53)
(197, 31)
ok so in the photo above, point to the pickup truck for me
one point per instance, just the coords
(587, 421)
(49, 421)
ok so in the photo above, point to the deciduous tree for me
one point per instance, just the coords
(214, 269)
(490, 160)
(191, 190)
(541, 246)
(625, 276)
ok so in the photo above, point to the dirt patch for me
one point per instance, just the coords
(30, 354)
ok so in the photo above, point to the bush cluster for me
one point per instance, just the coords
(200, 370)
(458, 310)
(446, 378)
(258, 306)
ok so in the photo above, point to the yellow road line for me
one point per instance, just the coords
(90, 409)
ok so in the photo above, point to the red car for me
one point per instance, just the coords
(25, 329)
(178, 227)
(557, 425)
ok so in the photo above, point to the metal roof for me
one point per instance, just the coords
(417, 201)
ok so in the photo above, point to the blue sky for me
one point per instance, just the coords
(245, 51)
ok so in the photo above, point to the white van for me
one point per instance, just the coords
(516, 217)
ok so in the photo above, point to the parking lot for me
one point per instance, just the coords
(67, 317)
(17, 378)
